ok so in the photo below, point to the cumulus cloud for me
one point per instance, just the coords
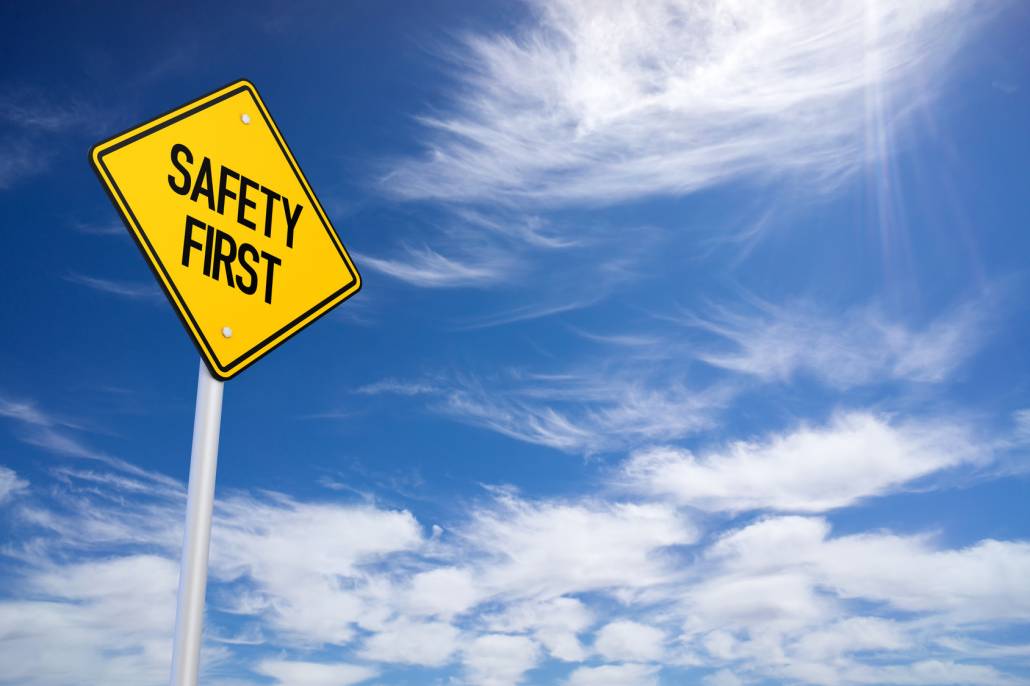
(723, 677)
(614, 675)
(442, 592)
(306, 591)
(808, 469)
(106, 621)
(783, 598)
(630, 642)
(292, 673)
(500, 659)
(302, 561)
(979, 582)
(549, 549)
(601, 102)
(556, 624)
(413, 643)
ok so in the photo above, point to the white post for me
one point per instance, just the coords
(200, 500)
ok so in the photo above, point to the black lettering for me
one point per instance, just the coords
(291, 220)
(177, 150)
(223, 191)
(204, 185)
(187, 242)
(224, 258)
(244, 203)
(209, 239)
(271, 196)
(273, 262)
(251, 287)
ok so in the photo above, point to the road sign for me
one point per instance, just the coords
(231, 228)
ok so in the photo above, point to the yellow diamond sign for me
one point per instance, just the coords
(228, 223)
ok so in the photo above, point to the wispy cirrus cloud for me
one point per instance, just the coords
(597, 103)
(35, 112)
(130, 290)
(113, 228)
(646, 385)
(18, 160)
(578, 412)
(31, 120)
(59, 435)
(855, 347)
(427, 268)
(537, 310)
(46, 430)
(10, 484)
(397, 387)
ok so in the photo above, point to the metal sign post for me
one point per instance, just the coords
(200, 500)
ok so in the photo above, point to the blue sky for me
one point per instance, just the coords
(691, 349)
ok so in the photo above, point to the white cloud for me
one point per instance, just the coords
(499, 659)
(56, 435)
(130, 290)
(427, 268)
(103, 621)
(513, 583)
(10, 484)
(860, 346)
(290, 673)
(584, 413)
(723, 677)
(555, 624)
(112, 228)
(930, 673)
(978, 583)
(547, 549)
(1022, 422)
(444, 592)
(544, 307)
(851, 635)
(573, 411)
(396, 387)
(808, 469)
(32, 122)
(782, 598)
(415, 643)
(601, 102)
(626, 641)
(305, 560)
(772, 602)
(35, 113)
(614, 675)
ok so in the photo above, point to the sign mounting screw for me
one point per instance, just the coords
(227, 331)
(245, 118)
